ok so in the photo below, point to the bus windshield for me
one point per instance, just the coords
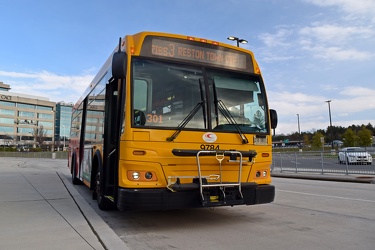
(170, 94)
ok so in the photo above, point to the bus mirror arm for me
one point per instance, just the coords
(119, 63)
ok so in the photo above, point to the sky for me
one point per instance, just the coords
(309, 51)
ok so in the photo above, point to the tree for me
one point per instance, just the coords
(349, 138)
(316, 140)
(352, 137)
(364, 137)
(306, 139)
(39, 134)
(371, 128)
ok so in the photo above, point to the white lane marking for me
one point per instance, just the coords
(326, 196)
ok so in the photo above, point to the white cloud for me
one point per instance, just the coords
(336, 42)
(358, 91)
(338, 53)
(357, 8)
(288, 103)
(335, 34)
(280, 38)
(355, 99)
(276, 58)
(277, 45)
(313, 110)
(325, 41)
(47, 84)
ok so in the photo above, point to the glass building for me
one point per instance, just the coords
(62, 124)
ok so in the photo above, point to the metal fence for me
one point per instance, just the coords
(318, 162)
(296, 162)
(50, 155)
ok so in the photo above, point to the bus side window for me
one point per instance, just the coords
(139, 118)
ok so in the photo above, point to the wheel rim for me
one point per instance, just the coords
(97, 186)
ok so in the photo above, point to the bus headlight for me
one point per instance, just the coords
(261, 174)
(135, 175)
(148, 175)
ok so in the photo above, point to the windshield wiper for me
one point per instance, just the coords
(224, 110)
(186, 120)
(219, 104)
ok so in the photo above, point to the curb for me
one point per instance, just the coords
(322, 177)
(107, 237)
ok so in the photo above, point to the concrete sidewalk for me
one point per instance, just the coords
(40, 209)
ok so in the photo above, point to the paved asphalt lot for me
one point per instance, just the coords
(40, 208)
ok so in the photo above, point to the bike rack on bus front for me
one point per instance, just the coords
(203, 184)
(220, 155)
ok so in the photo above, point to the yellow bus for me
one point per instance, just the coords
(173, 121)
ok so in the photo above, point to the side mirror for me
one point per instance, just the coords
(119, 60)
(273, 117)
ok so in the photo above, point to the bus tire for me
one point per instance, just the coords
(103, 202)
(75, 180)
(94, 196)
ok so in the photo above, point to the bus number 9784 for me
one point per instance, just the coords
(209, 147)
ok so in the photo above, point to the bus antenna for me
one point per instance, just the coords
(119, 45)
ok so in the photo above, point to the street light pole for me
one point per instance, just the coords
(330, 120)
(299, 132)
(238, 40)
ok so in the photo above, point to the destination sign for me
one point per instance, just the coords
(194, 51)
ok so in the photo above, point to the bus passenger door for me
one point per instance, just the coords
(111, 136)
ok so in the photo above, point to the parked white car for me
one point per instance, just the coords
(354, 155)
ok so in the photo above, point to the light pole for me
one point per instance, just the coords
(299, 132)
(330, 120)
(238, 40)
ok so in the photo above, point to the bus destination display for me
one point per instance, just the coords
(191, 52)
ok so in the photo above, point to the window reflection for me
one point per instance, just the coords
(164, 94)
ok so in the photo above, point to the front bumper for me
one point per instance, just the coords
(164, 199)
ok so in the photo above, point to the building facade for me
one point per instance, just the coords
(62, 124)
(25, 120)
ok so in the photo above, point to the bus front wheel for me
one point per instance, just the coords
(103, 202)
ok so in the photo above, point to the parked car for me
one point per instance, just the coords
(354, 155)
